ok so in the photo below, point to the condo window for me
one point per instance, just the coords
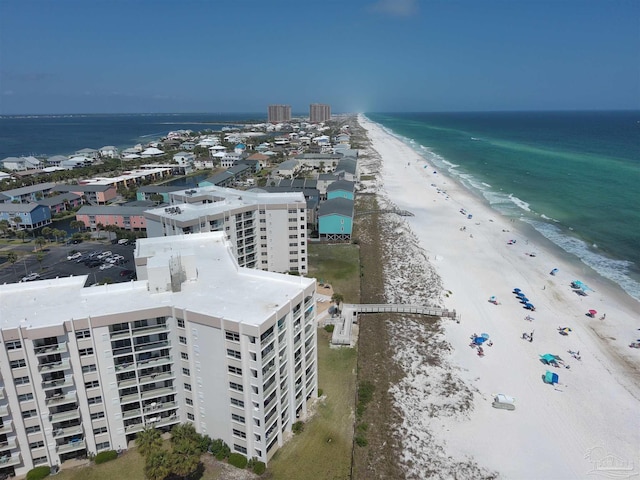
(93, 384)
(191, 417)
(103, 446)
(180, 323)
(99, 430)
(233, 353)
(97, 415)
(236, 386)
(21, 380)
(86, 333)
(13, 345)
(37, 444)
(187, 386)
(25, 397)
(237, 418)
(237, 403)
(83, 352)
(94, 400)
(182, 340)
(29, 413)
(184, 355)
(188, 401)
(34, 429)
(239, 433)
(239, 448)
(233, 336)
(18, 363)
(235, 370)
(89, 368)
(185, 371)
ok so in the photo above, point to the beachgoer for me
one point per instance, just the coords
(544, 287)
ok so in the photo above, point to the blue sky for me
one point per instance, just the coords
(117, 56)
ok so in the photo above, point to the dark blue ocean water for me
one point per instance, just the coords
(65, 134)
(574, 176)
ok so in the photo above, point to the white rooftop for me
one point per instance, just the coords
(213, 285)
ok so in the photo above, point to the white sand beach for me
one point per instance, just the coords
(586, 425)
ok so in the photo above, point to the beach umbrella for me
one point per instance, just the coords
(524, 300)
(529, 306)
(479, 340)
(592, 313)
(548, 358)
(520, 295)
(485, 336)
(516, 290)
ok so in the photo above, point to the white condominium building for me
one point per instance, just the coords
(267, 231)
(196, 339)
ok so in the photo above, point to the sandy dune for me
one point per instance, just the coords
(589, 423)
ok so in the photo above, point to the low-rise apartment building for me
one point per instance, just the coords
(196, 339)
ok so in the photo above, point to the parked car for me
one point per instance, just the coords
(29, 278)
(126, 273)
(74, 256)
(106, 266)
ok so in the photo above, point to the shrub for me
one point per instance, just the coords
(259, 468)
(329, 328)
(320, 392)
(238, 460)
(106, 456)
(38, 473)
(361, 441)
(297, 427)
(219, 449)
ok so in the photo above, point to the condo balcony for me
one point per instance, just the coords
(64, 416)
(4, 410)
(162, 420)
(66, 381)
(152, 345)
(71, 446)
(156, 377)
(50, 349)
(136, 412)
(1, 393)
(134, 427)
(57, 365)
(8, 444)
(68, 431)
(61, 398)
(154, 361)
(6, 427)
(158, 392)
(157, 407)
(150, 329)
(132, 397)
(10, 460)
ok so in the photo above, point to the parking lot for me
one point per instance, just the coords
(55, 263)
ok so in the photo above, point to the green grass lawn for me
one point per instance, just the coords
(338, 265)
(129, 466)
(323, 449)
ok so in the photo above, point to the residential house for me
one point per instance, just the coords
(335, 219)
(29, 193)
(184, 158)
(91, 194)
(287, 169)
(87, 152)
(146, 192)
(188, 145)
(56, 160)
(31, 215)
(109, 151)
(341, 189)
(347, 169)
(61, 203)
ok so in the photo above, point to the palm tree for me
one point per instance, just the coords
(46, 231)
(77, 224)
(57, 233)
(12, 258)
(22, 235)
(184, 464)
(111, 228)
(148, 440)
(40, 258)
(99, 227)
(183, 432)
(4, 227)
(17, 220)
(337, 298)
(157, 465)
(40, 241)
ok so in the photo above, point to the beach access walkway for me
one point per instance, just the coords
(342, 332)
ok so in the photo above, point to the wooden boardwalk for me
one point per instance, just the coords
(402, 213)
(342, 329)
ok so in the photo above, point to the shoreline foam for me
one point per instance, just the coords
(560, 431)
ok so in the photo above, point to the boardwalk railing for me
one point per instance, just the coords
(397, 308)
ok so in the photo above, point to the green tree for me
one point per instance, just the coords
(156, 198)
(58, 234)
(111, 228)
(157, 465)
(46, 232)
(40, 242)
(4, 227)
(77, 224)
(40, 258)
(337, 298)
(12, 258)
(99, 227)
(21, 235)
(184, 463)
(148, 440)
(17, 220)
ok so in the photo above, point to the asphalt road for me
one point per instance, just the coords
(55, 263)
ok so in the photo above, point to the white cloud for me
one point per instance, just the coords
(397, 8)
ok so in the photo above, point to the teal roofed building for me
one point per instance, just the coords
(341, 189)
(335, 219)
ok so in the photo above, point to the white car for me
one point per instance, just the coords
(30, 277)
(104, 255)
(73, 256)
(106, 266)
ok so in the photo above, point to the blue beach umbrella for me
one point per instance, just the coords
(520, 295)
(524, 300)
(529, 306)
(485, 336)
(516, 290)
(479, 340)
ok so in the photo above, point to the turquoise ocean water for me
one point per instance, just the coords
(573, 176)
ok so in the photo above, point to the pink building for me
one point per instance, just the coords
(127, 218)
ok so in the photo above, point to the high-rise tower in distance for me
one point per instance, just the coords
(319, 112)
(279, 113)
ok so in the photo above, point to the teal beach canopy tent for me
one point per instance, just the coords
(550, 377)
